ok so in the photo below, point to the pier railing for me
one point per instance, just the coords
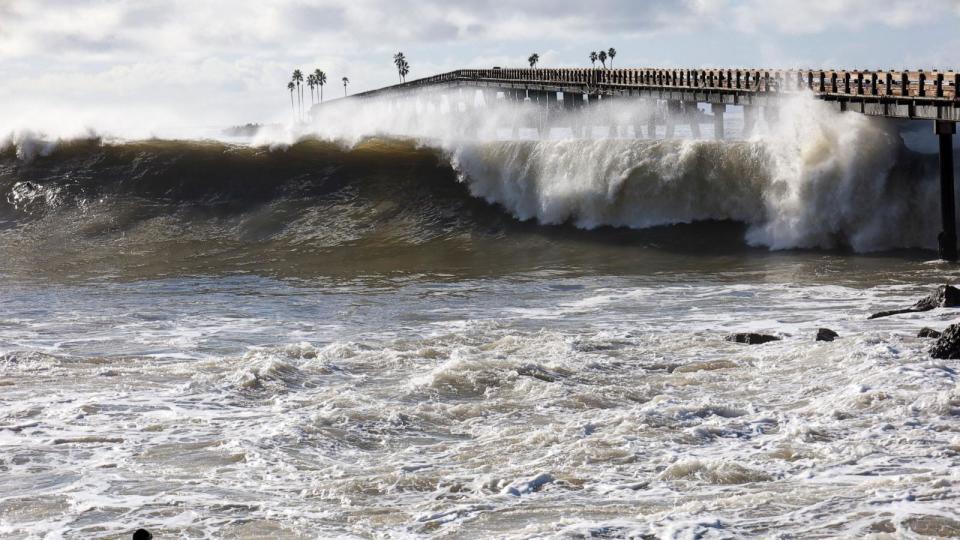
(926, 85)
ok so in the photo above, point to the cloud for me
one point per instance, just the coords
(816, 16)
(228, 60)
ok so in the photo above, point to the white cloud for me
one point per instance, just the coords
(815, 16)
(228, 61)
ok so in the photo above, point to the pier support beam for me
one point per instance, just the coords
(718, 111)
(652, 121)
(947, 238)
(692, 111)
(749, 119)
(673, 110)
(570, 108)
(771, 115)
(592, 106)
(610, 117)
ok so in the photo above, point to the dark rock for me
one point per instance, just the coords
(946, 296)
(948, 346)
(752, 339)
(826, 334)
(928, 333)
(142, 534)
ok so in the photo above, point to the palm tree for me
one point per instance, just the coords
(298, 78)
(534, 58)
(311, 82)
(291, 87)
(593, 58)
(603, 58)
(404, 70)
(346, 81)
(399, 60)
(611, 53)
(321, 79)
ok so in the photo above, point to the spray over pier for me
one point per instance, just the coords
(675, 95)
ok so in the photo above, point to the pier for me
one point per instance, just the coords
(915, 95)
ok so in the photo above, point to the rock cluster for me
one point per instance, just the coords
(928, 333)
(945, 296)
(948, 346)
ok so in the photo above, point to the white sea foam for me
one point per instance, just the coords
(637, 418)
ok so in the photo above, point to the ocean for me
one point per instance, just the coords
(377, 326)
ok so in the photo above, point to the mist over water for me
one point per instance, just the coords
(446, 320)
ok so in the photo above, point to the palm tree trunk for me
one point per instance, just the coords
(293, 108)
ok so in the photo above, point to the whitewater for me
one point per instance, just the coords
(379, 325)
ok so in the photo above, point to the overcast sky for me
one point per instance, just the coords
(187, 63)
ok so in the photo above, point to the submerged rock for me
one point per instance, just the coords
(948, 346)
(928, 333)
(710, 365)
(935, 526)
(945, 296)
(752, 339)
(532, 485)
(826, 334)
(537, 372)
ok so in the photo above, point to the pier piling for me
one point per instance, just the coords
(718, 111)
(693, 113)
(948, 238)
(749, 119)
(673, 110)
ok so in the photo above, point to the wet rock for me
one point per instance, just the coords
(532, 485)
(885, 526)
(752, 339)
(826, 334)
(537, 372)
(936, 526)
(928, 333)
(945, 296)
(948, 345)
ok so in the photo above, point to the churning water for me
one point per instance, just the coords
(386, 329)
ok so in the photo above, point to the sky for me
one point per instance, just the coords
(150, 65)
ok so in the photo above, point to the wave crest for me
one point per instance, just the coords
(815, 180)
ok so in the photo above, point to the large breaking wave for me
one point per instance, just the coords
(816, 179)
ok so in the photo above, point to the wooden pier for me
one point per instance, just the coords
(915, 95)
(925, 95)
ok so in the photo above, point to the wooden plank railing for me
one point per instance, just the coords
(929, 85)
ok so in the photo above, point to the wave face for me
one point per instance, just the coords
(312, 192)
(816, 179)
